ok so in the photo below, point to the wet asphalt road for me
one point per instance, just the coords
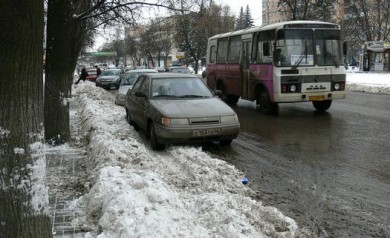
(328, 171)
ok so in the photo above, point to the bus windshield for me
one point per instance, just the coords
(328, 47)
(305, 47)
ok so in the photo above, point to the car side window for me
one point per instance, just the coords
(138, 83)
(145, 86)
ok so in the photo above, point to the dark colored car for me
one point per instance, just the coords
(109, 78)
(179, 108)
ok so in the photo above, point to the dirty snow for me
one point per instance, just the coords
(183, 191)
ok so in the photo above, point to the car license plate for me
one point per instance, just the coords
(209, 132)
(316, 98)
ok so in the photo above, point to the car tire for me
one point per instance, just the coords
(153, 138)
(131, 122)
(322, 106)
(225, 142)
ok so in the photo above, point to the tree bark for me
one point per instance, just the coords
(21, 121)
(59, 76)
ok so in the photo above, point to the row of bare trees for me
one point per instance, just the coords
(34, 111)
(186, 31)
(361, 20)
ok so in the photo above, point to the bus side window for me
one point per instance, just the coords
(234, 49)
(212, 54)
(222, 50)
(266, 49)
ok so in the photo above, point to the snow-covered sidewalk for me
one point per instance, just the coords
(132, 191)
(181, 192)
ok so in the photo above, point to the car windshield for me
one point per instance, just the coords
(178, 88)
(110, 72)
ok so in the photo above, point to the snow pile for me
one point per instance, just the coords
(179, 192)
(369, 82)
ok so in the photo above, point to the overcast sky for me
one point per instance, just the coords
(254, 5)
(235, 5)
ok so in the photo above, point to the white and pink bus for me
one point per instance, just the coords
(294, 61)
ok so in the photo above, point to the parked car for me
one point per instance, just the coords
(91, 74)
(179, 108)
(179, 69)
(102, 66)
(127, 82)
(109, 78)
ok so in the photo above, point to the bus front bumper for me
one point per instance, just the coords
(307, 97)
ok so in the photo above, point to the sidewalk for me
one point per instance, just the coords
(64, 174)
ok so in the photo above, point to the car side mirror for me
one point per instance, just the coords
(140, 94)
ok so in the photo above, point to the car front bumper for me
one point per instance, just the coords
(120, 99)
(173, 135)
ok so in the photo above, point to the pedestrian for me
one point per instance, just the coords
(98, 71)
(83, 75)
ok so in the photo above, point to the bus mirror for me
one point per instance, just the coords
(266, 50)
(345, 48)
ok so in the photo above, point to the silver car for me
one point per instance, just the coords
(109, 78)
(127, 82)
(179, 108)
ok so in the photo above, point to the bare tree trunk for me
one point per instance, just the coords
(59, 75)
(21, 121)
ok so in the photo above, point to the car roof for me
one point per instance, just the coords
(141, 71)
(172, 75)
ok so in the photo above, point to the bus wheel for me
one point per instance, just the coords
(265, 103)
(322, 106)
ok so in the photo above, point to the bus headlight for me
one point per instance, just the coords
(336, 86)
(293, 88)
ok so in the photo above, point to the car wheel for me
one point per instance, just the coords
(265, 103)
(322, 106)
(153, 138)
(128, 116)
(131, 122)
(225, 142)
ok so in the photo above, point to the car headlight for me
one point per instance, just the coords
(229, 119)
(166, 121)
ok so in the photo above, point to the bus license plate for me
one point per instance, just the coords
(316, 98)
(210, 132)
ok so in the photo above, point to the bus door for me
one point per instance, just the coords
(246, 49)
